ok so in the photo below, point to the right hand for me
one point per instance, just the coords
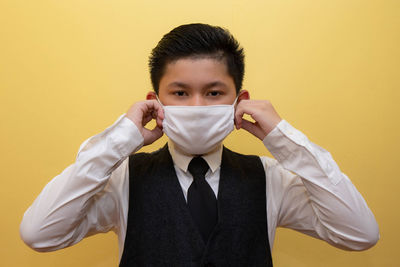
(143, 112)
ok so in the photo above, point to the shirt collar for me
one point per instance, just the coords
(182, 160)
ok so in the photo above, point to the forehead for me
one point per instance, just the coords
(196, 71)
(197, 64)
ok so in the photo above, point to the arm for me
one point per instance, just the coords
(311, 194)
(84, 198)
(80, 201)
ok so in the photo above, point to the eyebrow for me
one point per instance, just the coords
(186, 86)
(178, 84)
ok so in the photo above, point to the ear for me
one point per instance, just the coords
(151, 95)
(243, 95)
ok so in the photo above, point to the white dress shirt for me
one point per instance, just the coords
(306, 191)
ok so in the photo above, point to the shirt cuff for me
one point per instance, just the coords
(127, 136)
(283, 140)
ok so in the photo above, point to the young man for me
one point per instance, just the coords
(194, 202)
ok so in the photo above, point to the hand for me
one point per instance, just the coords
(264, 114)
(143, 112)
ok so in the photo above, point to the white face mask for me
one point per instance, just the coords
(197, 130)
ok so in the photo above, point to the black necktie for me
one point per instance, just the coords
(201, 198)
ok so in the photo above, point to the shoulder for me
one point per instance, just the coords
(145, 162)
(143, 157)
(238, 156)
(242, 163)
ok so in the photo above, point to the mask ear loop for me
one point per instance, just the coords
(234, 102)
(158, 100)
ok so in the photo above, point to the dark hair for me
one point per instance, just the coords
(197, 40)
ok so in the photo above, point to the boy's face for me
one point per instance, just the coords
(196, 82)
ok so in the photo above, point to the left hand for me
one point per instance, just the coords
(262, 112)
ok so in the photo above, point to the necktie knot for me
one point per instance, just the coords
(198, 167)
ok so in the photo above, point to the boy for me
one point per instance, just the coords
(194, 202)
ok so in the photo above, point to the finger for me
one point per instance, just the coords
(153, 105)
(237, 124)
(157, 111)
(238, 118)
(243, 107)
(146, 119)
(253, 128)
(160, 117)
(150, 110)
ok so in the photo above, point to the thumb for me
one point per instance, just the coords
(253, 128)
(150, 136)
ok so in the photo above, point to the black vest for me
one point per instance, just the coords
(160, 230)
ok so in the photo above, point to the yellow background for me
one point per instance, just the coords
(68, 69)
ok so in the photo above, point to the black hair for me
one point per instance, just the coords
(197, 40)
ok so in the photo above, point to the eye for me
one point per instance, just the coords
(180, 93)
(214, 93)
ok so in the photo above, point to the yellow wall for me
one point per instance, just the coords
(68, 69)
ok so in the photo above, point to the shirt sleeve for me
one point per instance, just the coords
(83, 199)
(307, 192)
